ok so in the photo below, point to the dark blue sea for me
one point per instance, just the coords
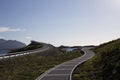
(3, 52)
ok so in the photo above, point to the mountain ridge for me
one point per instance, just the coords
(10, 44)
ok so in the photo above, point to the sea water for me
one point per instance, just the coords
(3, 52)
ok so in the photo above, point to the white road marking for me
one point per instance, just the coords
(56, 74)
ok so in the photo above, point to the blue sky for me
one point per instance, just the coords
(60, 22)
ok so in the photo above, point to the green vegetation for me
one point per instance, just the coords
(104, 66)
(29, 67)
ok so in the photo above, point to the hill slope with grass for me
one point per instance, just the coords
(104, 66)
(29, 67)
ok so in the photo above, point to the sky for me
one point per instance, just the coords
(60, 22)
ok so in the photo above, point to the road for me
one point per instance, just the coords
(16, 54)
(64, 71)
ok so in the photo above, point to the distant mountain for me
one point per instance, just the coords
(10, 44)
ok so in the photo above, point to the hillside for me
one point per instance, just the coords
(104, 66)
(29, 67)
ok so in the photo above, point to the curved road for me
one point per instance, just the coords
(64, 71)
(16, 54)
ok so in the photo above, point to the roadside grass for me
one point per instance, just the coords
(105, 65)
(29, 67)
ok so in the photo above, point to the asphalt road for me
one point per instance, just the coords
(16, 54)
(64, 71)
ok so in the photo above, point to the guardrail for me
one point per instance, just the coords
(16, 54)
